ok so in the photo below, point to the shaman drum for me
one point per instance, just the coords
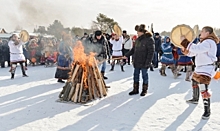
(179, 31)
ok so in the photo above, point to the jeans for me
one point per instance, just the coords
(155, 59)
(144, 75)
(103, 66)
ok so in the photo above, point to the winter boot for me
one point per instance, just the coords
(135, 89)
(12, 70)
(162, 70)
(103, 75)
(151, 68)
(12, 75)
(175, 72)
(60, 80)
(144, 89)
(23, 70)
(112, 68)
(207, 112)
(195, 98)
(122, 68)
(188, 73)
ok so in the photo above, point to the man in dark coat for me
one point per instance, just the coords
(101, 47)
(157, 40)
(2, 56)
(143, 55)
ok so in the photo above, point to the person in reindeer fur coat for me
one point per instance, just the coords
(143, 52)
(205, 57)
(16, 55)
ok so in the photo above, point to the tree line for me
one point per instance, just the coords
(102, 22)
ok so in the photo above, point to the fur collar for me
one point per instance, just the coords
(211, 36)
(145, 35)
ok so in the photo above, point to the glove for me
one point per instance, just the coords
(185, 43)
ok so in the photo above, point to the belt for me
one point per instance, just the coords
(16, 53)
(213, 64)
(117, 50)
(167, 52)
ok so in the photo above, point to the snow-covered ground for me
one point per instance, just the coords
(28, 104)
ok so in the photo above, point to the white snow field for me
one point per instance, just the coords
(28, 104)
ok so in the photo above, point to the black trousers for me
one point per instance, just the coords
(124, 52)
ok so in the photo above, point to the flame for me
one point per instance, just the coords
(83, 59)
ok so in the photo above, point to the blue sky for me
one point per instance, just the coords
(165, 14)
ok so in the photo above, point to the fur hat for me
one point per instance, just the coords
(141, 28)
(98, 33)
(156, 34)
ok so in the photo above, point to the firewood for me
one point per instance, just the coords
(81, 88)
(96, 82)
(71, 91)
(75, 71)
(89, 83)
(103, 86)
(67, 91)
(100, 87)
(75, 96)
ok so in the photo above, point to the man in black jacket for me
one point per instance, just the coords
(2, 56)
(143, 54)
(101, 48)
(157, 40)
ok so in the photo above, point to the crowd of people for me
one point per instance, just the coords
(144, 51)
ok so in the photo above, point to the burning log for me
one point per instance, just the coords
(85, 82)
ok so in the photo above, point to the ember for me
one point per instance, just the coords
(85, 82)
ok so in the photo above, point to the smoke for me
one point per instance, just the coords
(94, 48)
(37, 13)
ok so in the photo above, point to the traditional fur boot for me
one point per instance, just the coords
(103, 75)
(23, 70)
(135, 89)
(144, 89)
(207, 111)
(12, 70)
(188, 73)
(195, 96)
(162, 70)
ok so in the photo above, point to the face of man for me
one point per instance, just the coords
(15, 38)
(204, 34)
(139, 33)
(98, 37)
(157, 36)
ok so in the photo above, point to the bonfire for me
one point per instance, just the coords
(85, 82)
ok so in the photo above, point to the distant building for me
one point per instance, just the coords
(2, 31)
